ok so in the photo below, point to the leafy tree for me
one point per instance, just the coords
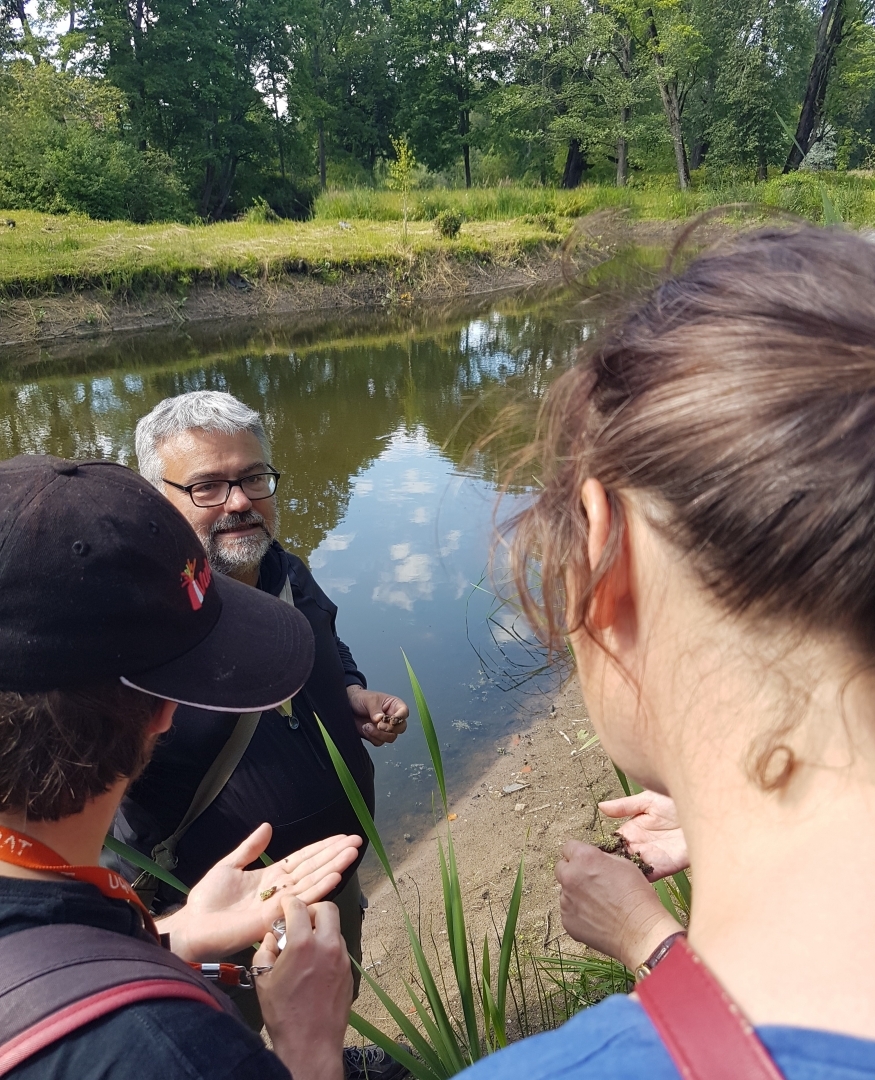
(63, 150)
(830, 32)
(441, 64)
(850, 102)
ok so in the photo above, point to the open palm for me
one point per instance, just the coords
(230, 908)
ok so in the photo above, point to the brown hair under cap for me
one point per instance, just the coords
(741, 398)
(64, 747)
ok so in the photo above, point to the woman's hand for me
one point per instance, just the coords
(306, 996)
(653, 831)
(607, 904)
(230, 908)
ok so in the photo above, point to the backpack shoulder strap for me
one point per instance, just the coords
(55, 979)
(704, 1031)
(217, 776)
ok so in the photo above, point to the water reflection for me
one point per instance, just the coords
(370, 420)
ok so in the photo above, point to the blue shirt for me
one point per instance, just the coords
(616, 1041)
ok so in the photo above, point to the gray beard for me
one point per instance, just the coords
(241, 555)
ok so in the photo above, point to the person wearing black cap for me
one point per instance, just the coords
(109, 616)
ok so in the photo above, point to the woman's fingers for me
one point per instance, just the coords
(343, 859)
(317, 890)
(628, 806)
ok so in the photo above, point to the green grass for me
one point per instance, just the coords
(360, 229)
(655, 199)
(44, 253)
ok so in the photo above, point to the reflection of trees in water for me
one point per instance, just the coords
(328, 409)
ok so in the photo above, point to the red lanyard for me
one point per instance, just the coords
(21, 850)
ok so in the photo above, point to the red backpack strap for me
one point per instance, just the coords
(58, 1025)
(55, 979)
(703, 1029)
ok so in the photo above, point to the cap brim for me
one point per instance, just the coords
(259, 654)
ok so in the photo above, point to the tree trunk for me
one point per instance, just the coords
(625, 60)
(279, 127)
(762, 164)
(203, 209)
(623, 149)
(698, 152)
(829, 37)
(229, 173)
(668, 91)
(30, 42)
(323, 181)
(575, 165)
(464, 130)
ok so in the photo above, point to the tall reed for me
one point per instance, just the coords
(443, 1044)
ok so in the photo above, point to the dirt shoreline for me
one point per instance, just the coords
(492, 831)
(80, 313)
(91, 313)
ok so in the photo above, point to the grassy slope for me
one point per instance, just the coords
(43, 252)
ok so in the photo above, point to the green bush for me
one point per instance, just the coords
(261, 213)
(543, 221)
(65, 152)
(289, 198)
(448, 223)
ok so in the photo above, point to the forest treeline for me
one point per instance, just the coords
(179, 109)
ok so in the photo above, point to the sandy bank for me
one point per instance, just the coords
(492, 832)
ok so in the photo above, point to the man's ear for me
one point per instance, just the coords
(614, 586)
(163, 719)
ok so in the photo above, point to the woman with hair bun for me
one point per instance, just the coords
(705, 537)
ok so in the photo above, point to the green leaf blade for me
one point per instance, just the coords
(137, 858)
(356, 798)
(429, 730)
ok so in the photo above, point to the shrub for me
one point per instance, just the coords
(261, 213)
(448, 223)
(288, 197)
(65, 152)
(543, 221)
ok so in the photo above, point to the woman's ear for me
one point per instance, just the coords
(614, 586)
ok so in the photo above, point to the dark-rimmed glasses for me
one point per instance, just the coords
(217, 492)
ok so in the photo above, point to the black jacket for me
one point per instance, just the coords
(285, 776)
(151, 1040)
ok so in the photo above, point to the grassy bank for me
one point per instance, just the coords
(656, 198)
(44, 253)
(360, 230)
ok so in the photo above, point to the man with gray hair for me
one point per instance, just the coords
(210, 783)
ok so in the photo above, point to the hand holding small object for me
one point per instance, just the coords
(652, 831)
(305, 990)
(230, 907)
(606, 903)
(379, 718)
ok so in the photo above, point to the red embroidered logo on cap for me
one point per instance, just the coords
(197, 584)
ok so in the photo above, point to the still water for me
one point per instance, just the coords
(371, 419)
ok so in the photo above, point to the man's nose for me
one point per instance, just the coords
(237, 502)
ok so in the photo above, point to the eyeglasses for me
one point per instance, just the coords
(217, 492)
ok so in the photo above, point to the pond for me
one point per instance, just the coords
(371, 418)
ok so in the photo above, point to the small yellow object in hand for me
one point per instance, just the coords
(266, 894)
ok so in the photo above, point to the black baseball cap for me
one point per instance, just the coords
(101, 578)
